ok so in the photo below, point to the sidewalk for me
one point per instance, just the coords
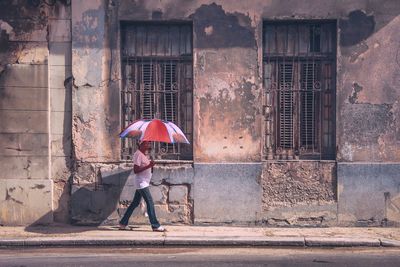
(184, 235)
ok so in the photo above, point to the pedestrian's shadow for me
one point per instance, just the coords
(134, 228)
(91, 205)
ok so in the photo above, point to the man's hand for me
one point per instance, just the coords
(137, 169)
(151, 163)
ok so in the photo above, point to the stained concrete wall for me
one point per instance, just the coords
(96, 113)
(60, 90)
(367, 115)
(102, 192)
(34, 126)
(368, 84)
(228, 99)
(369, 194)
(227, 193)
(26, 188)
(83, 103)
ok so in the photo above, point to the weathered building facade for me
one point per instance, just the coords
(292, 110)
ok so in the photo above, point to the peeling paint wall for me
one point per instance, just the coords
(368, 84)
(95, 93)
(226, 85)
(228, 96)
(220, 100)
(226, 101)
(367, 109)
(60, 73)
(368, 127)
(227, 81)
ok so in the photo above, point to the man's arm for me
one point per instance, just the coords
(137, 169)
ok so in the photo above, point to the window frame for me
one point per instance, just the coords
(324, 55)
(129, 108)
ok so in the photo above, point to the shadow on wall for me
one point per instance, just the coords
(91, 204)
(357, 27)
(62, 178)
(363, 18)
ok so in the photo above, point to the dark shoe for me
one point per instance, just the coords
(122, 227)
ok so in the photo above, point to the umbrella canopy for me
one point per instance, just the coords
(155, 130)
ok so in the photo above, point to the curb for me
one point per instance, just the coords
(240, 241)
(78, 243)
(341, 242)
(210, 242)
(390, 243)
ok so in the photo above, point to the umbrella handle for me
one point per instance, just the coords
(151, 158)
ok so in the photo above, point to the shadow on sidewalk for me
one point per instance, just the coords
(134, 228)
(91, 205)
(52, 229)
(58, 229)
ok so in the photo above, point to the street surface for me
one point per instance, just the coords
(196, 257)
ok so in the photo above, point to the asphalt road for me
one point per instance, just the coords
(196, 257)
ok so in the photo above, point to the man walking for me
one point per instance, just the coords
(142, 169)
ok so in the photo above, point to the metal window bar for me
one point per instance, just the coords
(286, 105)
(308, 111)
(157, 82)
(299, 64)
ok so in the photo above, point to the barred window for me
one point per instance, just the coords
(299, 80)
(158, 82)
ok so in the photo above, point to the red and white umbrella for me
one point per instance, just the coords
(155, 130)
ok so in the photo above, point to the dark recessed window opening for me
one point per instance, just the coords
(158, 82)
(299, 80)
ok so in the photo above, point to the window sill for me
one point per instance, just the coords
(173, 161)
(300, 160)
(163, 161)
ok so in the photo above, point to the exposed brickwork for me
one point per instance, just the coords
(294, 183)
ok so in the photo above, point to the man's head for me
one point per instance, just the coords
(144, 146)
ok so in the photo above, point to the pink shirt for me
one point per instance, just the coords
(142, 179)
